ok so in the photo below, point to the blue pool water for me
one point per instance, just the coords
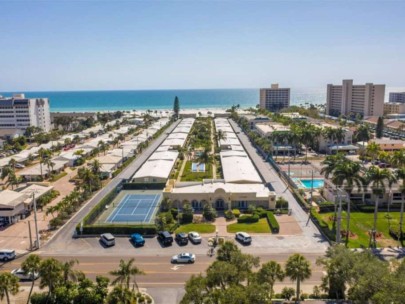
(307, 183)
(195, 167)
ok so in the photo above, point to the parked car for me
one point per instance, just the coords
(195, 237)
(181, 238)
(187, 258)
(243, 237)
(19, 166)
(165, 238)
(137, 239)
(7, 255)
(107, 239)
(23, 276)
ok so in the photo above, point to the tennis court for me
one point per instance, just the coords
(138, 208)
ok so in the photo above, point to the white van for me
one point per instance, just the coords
(107, 239)
(7, 255)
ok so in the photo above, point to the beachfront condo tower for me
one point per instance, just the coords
(274, 98)
(17, 113)
(348, 99)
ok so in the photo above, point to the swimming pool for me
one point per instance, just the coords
(307, 183)
(195, 167)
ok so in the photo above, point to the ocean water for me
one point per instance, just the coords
(80, 101)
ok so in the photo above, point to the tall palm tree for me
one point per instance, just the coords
(400, 175)
(298, 268)
(373, 149)
(346, 175)
(68, 272)
(95, 167)
(8, 285)
(376, 178)
(398, 158)
(269, 273)
(50, 272)
(331, 162)
(125, 271)
(31, 266)
(205, 157)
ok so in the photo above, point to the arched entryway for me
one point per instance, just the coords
(196, 205)
(220, 204)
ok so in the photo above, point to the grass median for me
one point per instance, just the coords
(200, 228)
(262, 226)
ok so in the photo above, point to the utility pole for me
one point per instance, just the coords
(29, 234)
(36, 221)
(339, 219)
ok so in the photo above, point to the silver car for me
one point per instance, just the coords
(243, 237)
(23, 276)
(187, 258)
(194, 237)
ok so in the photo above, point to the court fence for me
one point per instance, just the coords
(143, 186)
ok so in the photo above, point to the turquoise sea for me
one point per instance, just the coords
(80, 101)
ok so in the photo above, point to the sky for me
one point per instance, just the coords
(112, 45)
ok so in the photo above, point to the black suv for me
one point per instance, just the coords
(165, 238)
(182, 238)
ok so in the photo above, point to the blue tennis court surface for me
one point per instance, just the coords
(135, 208)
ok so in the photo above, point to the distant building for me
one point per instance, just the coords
(397, 97)
(17, 113)
(274, 99)
(394, 108)
(366, 100)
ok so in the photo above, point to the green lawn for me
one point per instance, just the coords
(188, 175)
(262, 226)
(200, 228)
(361, 223)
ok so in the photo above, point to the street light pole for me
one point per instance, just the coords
(36, 221)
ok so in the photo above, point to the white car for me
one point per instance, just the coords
(194, 237)
(243, 237)
(19, 166)
(23, 276)
(187, 258)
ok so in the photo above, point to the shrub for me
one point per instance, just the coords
(396, 234)
(287, 293)
(304, 296)
(281, 203)
(209, 213)
(55, 223)
(271, 219)
(249, 219)
(229, 215)
(174, 212)
(251, 208)
(187, 215)
(261, 212)
(119, 229)
(236, 212)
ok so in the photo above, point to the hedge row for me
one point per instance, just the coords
(249, 219)
(271, 219)
(300, 200)
(118, 229)
(99, 208)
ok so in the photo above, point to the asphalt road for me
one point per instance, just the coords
(164, 280)
(65, 233)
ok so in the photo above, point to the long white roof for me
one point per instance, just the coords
(158, 167)
(238, 168)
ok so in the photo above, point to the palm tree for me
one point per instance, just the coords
(102, 146)
(31, 266)
(8, 285)
(12, 163)
(373, 149)
(95, 167)
(298, 269)
(124, 273)
(13, 179)
(398, 158)
(400, 175)
(221, 135)
(269, 273)
(331, 162)
(362, 133)
(205, 157)
(50, 271)
(377, 177)
(68, 272)
(346, 175)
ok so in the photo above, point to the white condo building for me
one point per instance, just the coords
(366, 100)
(18, 113)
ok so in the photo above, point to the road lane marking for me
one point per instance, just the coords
(176, 267)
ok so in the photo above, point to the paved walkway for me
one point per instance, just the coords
(310, 231)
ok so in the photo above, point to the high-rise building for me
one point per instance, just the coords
(348, 99)
(18, 113)
(397, 97)
(274, 98)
